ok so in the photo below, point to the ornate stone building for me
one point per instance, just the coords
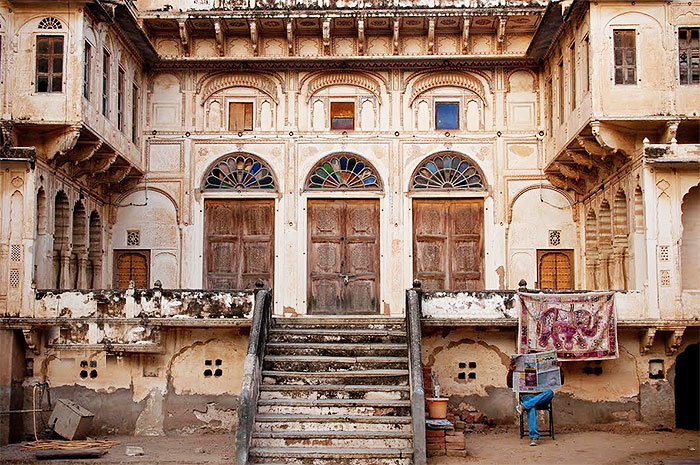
(159, 155)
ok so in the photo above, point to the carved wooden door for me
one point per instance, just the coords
(343, 257)
(238, 243)
(448, 243)
(555, 269)
(131, 265)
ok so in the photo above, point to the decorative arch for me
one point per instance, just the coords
(239, 172)
(343, 171)
(224, 81)
(339, 79)
(562, 192)
(690, 244)
(118, 204)
(442, 79)
(447, 171)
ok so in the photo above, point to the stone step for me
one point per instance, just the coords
(334, 391)
(336, 349)
(343, 439)
(296, 422)
(335, 407)
(367, 322)
(330, 456)
(324, 363)
(380, 377)
(313, 335)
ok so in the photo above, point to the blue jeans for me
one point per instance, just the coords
(531, 403)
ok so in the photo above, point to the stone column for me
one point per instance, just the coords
(96, 273)
(603, 275)
(591, 270)
(82, 259)
(65, 269)
(618, 268)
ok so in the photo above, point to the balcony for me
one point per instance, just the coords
(673, 155)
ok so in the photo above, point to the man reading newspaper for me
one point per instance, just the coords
(538, 375)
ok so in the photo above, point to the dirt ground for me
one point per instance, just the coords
(496, 446)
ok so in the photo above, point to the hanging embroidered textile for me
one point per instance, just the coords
(578, 326)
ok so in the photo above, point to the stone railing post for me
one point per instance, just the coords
(414, 332)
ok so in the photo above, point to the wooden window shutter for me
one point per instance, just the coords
(240, 116)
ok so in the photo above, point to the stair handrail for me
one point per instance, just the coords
(252, 371)
(414, 333)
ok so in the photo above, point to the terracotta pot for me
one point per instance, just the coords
(437, 407)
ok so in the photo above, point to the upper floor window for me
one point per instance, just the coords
(625, 49)
(560, 95)
(689, 55)
(87, 66)
(240, 116)
(105, 82)
(586, 64)
(572, 76)
(120, 99)
(447, 115)
(49, 64)
(343, 115)
(134, 114)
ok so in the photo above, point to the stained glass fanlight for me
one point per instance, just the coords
(239, 172)
(447, 171)
(343, 171)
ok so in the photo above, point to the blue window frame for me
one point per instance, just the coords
(447, 115)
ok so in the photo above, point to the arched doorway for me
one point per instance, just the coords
(343, 236)
(239, 230)
(687, 386)
(448, 228)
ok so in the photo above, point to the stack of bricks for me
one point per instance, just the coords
(446, 442)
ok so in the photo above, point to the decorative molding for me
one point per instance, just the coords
(449, 79)
(224, 81)
(338, 79)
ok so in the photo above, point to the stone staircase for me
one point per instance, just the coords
(335, 390)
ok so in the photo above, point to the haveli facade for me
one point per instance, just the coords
(337, 152)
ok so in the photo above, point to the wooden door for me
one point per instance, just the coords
(238, 243)
(343, 257)
(555, 269)
(448, 243)
(131, 265)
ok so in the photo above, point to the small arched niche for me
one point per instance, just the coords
(690, 240)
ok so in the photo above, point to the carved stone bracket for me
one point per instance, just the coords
(219, 36)
(33, 340)
(254, 36)
(184, 36)
(82, 152)
(673, 342)
(671, 131)
(466, 22)
(501, 30)
(647, 341)
(566, 184)
(326, 32)
(290, 37)
(431, 36)
(361, 36)
(581, 158)
(612, 140)
(58, 145)
(577, 173)
(395, 39)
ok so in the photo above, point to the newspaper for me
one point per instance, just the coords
(536, 372)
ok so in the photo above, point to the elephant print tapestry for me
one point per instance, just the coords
(578, 326)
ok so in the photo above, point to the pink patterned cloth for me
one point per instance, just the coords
(578, 326)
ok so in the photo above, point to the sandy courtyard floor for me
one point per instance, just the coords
(501, 446)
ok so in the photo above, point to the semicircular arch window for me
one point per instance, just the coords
(240, 172)
(344, 171)
(447, 171)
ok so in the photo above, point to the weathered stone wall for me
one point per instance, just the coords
(191, 386)
(609, 391)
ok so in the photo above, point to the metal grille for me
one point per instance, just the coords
(50, 23)
(342, 172)
(133, 238)
(447, 171)
(240, 172)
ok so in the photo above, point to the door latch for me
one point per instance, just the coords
(346, 277)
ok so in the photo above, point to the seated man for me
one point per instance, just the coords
(529, 403)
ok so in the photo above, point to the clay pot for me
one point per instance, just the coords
(437, 407)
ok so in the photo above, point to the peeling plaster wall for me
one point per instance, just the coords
(623, 392)
(153, 394)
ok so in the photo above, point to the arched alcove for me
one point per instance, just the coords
(690, 240)
(94, 272)
(604, 245)
(591, 250)
(60, 238)
(78, 262)
(638, 210)
(620, 219)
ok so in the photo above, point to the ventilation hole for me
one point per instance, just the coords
(207, 362)
(218, 362)
(93, 374)
(83, 374)
(462, 365)
(29, 367)
(462, 375)
(93, 363)
(83, 364)
(598, 371)
(207, 372)
(16, 253)
(218, 372)
(14, 277)
(554, 237)
(133, 238)
(472, 365)
(471, 375)
(587, 370)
